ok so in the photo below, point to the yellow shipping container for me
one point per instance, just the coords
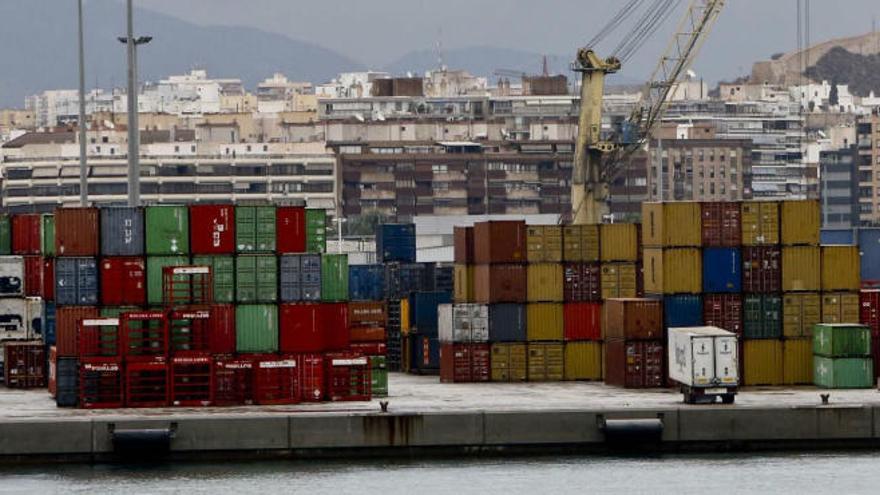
(619, 241)
(841, 268)
(546, 362)
(800, 312)
(463, 283)
(797, 362)
(404, 316)
(762, 360)
(673, 271)
(544, 282)
(801, 269)
(619, 280)
(583, 361)
(580, 243)
(544, 322)
(674, 224)
(760, 223)
(509, 363)
(801, 221)
(840, 307)
(544, 243)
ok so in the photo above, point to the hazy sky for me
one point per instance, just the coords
(378, 31)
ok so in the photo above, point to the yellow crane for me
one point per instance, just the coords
(598, 159)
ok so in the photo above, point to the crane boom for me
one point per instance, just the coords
(596, 162)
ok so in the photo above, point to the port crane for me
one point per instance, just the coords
(598, 159)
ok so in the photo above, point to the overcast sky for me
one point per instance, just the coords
(376, 32)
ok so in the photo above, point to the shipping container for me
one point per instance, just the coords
(674, 224)
(544, 243)
(673, 271)
(509, 362)
(191, 380)
(760, 223)
(67, 319)
(841, 340)
(869, 248)
(619, 242)
(311, 377)
(463, 290)
(26, 234)
(797, 361)
(123, 281)
(39, 277)
(424, 353)
(500, 283)
(423, 311)
(255, 229)
(290, 229)
(309, 327)
(396, 242)
(633, 319)
(12, 276)
(544, 282)
(762, 317)
(76, 232)
(762, 269)
(276, 380)
(155, 265)
(721, 224)
(144, 334)
(582, 321)
(316, 231)
(843, 372)
(840, 268)
(147, 384)
(212, 229)
(722, 270)
(465, 363)
(334, 277)
(233, 380)
(463, 242)
(379, 376)
(544, 322)
(256, 328)
(21, 318)
(619, 280)
(582, 282)
(366, 334)
(5, 235)
(25, 365)
(347, 377)
(167, 230)
(403, 278)
(49, 329)
(546, 362)
(76, 281)
(635, 363)
(838, 236)
(580, 243)
(801, 269)
(500, 242)
(223, 275)
(256, 279)
(685, 310)
(840, 307)
(583, 361)
(801, 311)
(463, 323)
(507, 322)
(366, 282)
(763, 362)
(367, 313)
(800, 222)
(122, 231)
(47, 232)
(300, 277)
(703, 358)
(66, 382)
(222, 325)
(101, 383)
(869, 311)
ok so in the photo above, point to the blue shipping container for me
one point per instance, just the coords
(684, 310)
(869, 247)
(507, 323)
(837, 237)
(76, 281)
(48, 323)
(122, 231)
(722, 270)
(423, 310)
(424, 353)
(299, 277)
(366, 282)
(67, 382)
(396, 242)
(403, 278)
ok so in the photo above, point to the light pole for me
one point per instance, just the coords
(134, 185)
(83, 168)
(339, 221)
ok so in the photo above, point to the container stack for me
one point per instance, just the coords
(842, 356)
(635, 349)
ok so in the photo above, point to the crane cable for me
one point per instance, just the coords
(615, 22)
(655, 17)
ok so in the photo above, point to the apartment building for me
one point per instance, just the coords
(868, 142)
(839, 188)
(700, 170)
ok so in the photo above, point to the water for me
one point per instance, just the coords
(821, 473)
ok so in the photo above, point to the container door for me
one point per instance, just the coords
(726, 360)
(704, 360)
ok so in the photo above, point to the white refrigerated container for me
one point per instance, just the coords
(705, 361)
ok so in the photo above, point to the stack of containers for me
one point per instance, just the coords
(635, 354)
(582, 293)
(545, 329)
(869, 315)
(395, 251)
(722, 238)
(842, 356)
(464, 347)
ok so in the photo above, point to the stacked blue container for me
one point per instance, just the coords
(396, 242)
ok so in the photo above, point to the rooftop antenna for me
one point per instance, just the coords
(546, 68)
(438, 49)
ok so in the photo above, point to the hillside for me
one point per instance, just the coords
(860, 72)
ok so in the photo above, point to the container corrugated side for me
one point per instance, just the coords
(673, 271)
(619, 242)
(507, 322)
(762, 316)
(167, 230)
(683, 310)
(869, 247)
(619, 280)
(212, 229)
(509, 362)
(546, 362)
(673, 224)
(256, 328)
(841, 340)
(841, 269)
(843, 372)
(222, 274)
(155, 264)
(256, 279)
(801, 268)
(801, 311)
(840, 307)
(299, 277)
(722, 225)
(122, 231)
(76, 281)
(544, 322)
(463, 291)
(583, 361)
(76, 232)
(800, 222)
(544, 282)
(334, 277)
(500, 283)
(5, 235)
(544, 243)
(797, 358)
(760, 223)
(316, 231)
(763, 362)
(500, 242)
(580, 243)
(722, 270)
(255, 229)
(48, 233)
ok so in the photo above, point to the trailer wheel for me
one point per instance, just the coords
(728, 399)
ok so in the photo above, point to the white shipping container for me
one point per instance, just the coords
(462, 323)
(11, 276)
(703, 357)
(21, 318)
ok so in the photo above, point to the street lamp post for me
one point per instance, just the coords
(134, 185)
(83, 171)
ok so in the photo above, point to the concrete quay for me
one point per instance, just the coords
(429, 418)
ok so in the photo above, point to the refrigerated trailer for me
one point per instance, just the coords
(704, 360)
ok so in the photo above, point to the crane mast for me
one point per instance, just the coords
(598, 162)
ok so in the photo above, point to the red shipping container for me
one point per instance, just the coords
(635, 364)
(633, 319)
(144, 335)
(76, 232)
(123, 281)
(146, 383)
(311, 377)
(290, 229)
(582, 321)
(53, 371)
(212, 229)
(722, 225)
(875, 355)
(366, 314)
(233, 380)
(39, 277)
(348, 377)
(582, 282)
(869, 313)
(276, 380)
(723, 311)
(465, 363)
(500, 283)
(500, 242)
(192, 380)
(366, 334)
(370, 348)
(222, 329)
(26, 237)
(762, 269)
(189, 331)
(98, 337)
(24, 365)
(67, 320)
(314, 327)
(463, 238)
(101, 383)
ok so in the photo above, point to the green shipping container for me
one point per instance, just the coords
(256, 328)
(223, 273)
(378, 376)
(316, 231)
(47, 235)
(155, 264)
(5, 235)
(762, 317)
(841, 340)
(256, 279)
(334, 277)
(255, 229)
(167, 230)
(116, 311)
(843, 372)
